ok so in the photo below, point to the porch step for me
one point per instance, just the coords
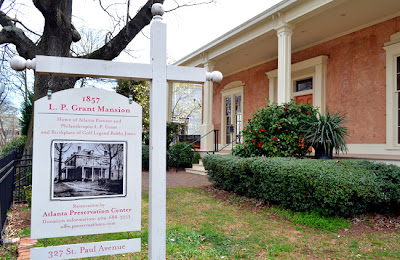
(197, 169)
(225, 151)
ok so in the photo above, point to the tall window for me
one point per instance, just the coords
(228, 118)
(238, 112)
(392, 49)
(398, 98)
(233, 117)
(232, 112)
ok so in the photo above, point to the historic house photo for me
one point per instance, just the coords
(83, 169)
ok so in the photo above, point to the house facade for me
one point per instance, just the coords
(338, 54)
(86, 165)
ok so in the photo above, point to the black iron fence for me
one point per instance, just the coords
(237, 140)
(23, 177)
(15, 174)
(197, 139)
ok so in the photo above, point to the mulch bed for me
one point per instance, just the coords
(365, 224)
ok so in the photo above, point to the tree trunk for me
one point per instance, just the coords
(60, 164)
(56, 41)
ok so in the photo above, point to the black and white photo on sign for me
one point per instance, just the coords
(83, 169)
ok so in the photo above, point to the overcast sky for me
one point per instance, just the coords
(189, 28)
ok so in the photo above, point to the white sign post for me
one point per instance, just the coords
(158, 73)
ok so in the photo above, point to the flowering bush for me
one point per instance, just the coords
(275, 131)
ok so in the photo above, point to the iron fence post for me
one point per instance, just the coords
(177, 160)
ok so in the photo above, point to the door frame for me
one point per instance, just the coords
(232, 89)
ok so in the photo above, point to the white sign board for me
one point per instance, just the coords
(86, 164)
(86, 250)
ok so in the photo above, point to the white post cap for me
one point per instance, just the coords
(18, 63)
(214, 76)
(157, 9)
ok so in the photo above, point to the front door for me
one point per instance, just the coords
(304, 99)
(233, 117)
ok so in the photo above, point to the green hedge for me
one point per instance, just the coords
(327, 187)
(186, 157)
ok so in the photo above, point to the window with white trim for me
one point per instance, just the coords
(392, 49)
(308, 77)
(303, 85)
(398, 97)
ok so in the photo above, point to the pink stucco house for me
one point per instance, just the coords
(340, 54)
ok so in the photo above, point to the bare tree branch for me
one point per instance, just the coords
(25, 47)
(5, 20)
(15, 21)
(189, 4)
(116, 45)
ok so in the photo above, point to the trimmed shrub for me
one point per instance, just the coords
(275, 131)
(196, 157)
(327, 187)
(185, 156)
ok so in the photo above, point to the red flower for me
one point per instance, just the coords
(252, 140)
(262, 130)
(286, 108)
(245, 146)
(260, 144)
(256, 136)
(275, 138)
(308, 112)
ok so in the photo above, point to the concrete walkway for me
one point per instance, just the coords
(174, 180)
(178, 179)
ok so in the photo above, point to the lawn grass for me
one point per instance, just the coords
(202, 227)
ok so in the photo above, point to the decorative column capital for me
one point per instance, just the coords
(209, 65)
(284, 29)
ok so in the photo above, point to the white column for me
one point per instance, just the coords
(284, 32)
(320, 85)
(169, 101)
(272, 90)
(158, 102)
(207, 143)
